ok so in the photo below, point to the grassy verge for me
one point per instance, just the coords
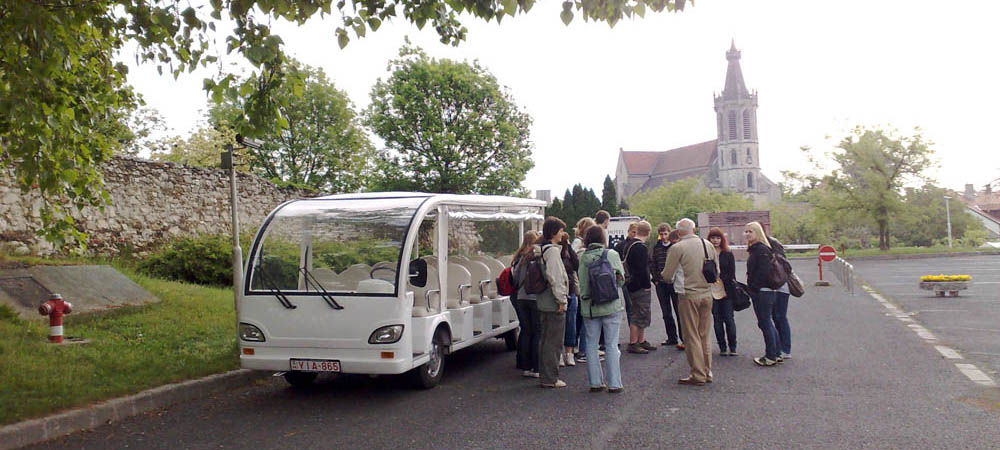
(188, 334)
(856, 253)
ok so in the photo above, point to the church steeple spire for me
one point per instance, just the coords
(735, 87)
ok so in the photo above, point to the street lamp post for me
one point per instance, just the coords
(947, 211)
(228, 162)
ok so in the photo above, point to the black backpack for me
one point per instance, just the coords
(708, 268)
(534, 272)
(603, 288)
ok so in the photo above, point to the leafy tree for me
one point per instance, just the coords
(136, 130)
(200, 149)
(922, 221)
(448, 127)
(797, 223)
(684, 198)
(323, 145)
(609, 196)
(60, 84)
(577, 203)
(873, 165)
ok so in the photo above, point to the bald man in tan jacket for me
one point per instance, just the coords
(695, 304)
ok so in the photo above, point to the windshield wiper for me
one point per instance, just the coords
(274, 290)
(311, 281)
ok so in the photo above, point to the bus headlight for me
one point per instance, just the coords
(251, 333)
(386, 335)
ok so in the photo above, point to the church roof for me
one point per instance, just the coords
(686, 158)
(640, 163)
(671, 165)
(735, 86)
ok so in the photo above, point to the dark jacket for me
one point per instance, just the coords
(658, 261)
(572, 263)
(727, 273)
(758, 266)
(637, 265)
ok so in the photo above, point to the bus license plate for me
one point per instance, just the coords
(314, 365)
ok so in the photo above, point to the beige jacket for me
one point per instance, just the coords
(688, 254)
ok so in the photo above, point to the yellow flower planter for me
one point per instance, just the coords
(945, 285)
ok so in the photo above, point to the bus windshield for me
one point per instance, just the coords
(342, 246)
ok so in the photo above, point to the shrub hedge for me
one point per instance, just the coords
(203, 260)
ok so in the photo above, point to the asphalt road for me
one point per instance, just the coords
(969, 323)
(859, 379)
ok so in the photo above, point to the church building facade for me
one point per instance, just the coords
(729, 163)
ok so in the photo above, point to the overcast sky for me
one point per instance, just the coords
(820, 67)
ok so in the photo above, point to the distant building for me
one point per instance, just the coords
(985, 206)
(544, 195)
(729, 163)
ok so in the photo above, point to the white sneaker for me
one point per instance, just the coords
(562, 359)
(570, 361)
(557, 384)
(529, 374)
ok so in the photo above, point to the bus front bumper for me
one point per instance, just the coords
(358, 361)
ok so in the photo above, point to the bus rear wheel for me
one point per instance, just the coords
(300, 380)
(429, 374)
(510, 339)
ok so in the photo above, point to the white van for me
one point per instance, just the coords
(379, 283)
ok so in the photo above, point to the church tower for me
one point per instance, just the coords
(736, 117)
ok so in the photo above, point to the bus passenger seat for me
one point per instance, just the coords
(481, 276)
(459, 285)
(420, 297)
(506, 260)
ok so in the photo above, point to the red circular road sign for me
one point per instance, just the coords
(827, 253)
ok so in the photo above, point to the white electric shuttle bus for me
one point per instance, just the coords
(379, 283)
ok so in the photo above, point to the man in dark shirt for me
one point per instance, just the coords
(636, 261)
(665, 288)
(620, 249)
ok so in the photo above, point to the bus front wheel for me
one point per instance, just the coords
(429, 374)
(300, 380)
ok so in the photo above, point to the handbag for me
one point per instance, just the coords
(777, 276)
(741, 297)
(708, 267)
(795, 285)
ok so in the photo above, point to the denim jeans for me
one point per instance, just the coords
(528, 339)
(725, 324)
(780, 317)
(668, 305)
(613, 372)
(763, 305)
(571, 313)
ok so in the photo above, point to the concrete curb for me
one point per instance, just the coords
(40, 430)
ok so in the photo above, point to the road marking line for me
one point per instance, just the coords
(922, 332)
(974, 374)
(947, 352)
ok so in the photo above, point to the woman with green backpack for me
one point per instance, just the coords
(601, 277)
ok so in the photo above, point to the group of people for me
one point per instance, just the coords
(571, 321)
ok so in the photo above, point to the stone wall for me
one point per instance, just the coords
(151, 202)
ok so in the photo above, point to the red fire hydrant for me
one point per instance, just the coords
(55, 308)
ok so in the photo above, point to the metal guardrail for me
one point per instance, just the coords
(787, 247)
(844, 272)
